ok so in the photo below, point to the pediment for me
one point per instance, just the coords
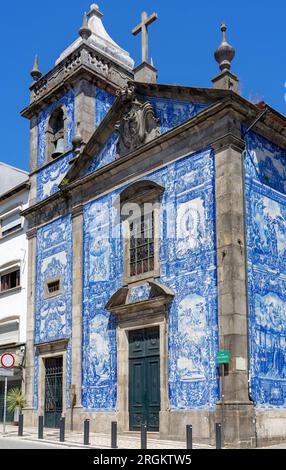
(139, 298)
(138, 116)
(129, 124)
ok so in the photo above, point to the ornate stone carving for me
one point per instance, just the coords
(99, 63)
(72, 62)
(138, 124)
(83, 56)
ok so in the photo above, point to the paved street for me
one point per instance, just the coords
(14, 443)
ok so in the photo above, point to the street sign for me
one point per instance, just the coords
(7, 360)
(6, 373)
(223, 357)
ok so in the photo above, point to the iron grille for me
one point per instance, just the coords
(53, 391)
(142, 245)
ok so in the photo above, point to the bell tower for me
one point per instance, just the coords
(68, 102)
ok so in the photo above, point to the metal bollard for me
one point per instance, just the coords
(143, 436)
(21, 425)
(218, 435)
(62, 429)
(189, 434)
(86, 433)
(41, 427)
(114, 435)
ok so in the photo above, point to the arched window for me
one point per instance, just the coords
(56, 134)
(140, 217)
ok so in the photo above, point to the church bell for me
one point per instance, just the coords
(60, 147)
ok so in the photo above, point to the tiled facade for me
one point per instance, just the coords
(266, 229)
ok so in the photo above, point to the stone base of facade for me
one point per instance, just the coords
(30, 417)
(270, 426)
(100, 422)
(239, 425)
(245, 426)
(173, 425)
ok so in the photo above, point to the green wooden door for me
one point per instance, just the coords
(144, 379)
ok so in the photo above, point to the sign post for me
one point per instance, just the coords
(7, 361)
(5, 405)
(222, 358)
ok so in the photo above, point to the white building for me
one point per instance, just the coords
(14, 196)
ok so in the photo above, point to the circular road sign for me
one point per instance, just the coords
(7, 360)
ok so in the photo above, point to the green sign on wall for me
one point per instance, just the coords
(223, 357)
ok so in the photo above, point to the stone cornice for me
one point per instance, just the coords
(180, 92)
(52, 346)
(142, 307)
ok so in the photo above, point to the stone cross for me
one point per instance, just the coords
(143, 27)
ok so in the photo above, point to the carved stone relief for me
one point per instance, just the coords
(138, 124)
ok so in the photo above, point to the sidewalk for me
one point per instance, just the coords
(103, 441)
(97, 441)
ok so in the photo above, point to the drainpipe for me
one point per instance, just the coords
(261, 115)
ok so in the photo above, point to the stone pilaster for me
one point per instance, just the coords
(33, 143)
(33, 158)
(77, 218)
(30, 353)
(85, 108)
(232, 290)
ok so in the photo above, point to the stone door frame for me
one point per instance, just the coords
(47, 351)
(131, 322)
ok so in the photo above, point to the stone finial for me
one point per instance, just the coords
(35, 73)
(85, 32)
(77, 140)
(225, 53)
(226, 79)
(94, 11)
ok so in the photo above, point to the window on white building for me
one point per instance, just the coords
(10, 223)
(9, 332)
(10, 280)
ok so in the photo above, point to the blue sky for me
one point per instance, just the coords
(182, 43)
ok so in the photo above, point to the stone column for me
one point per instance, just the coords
(77, 217)
(232, 290)
(30, 416)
